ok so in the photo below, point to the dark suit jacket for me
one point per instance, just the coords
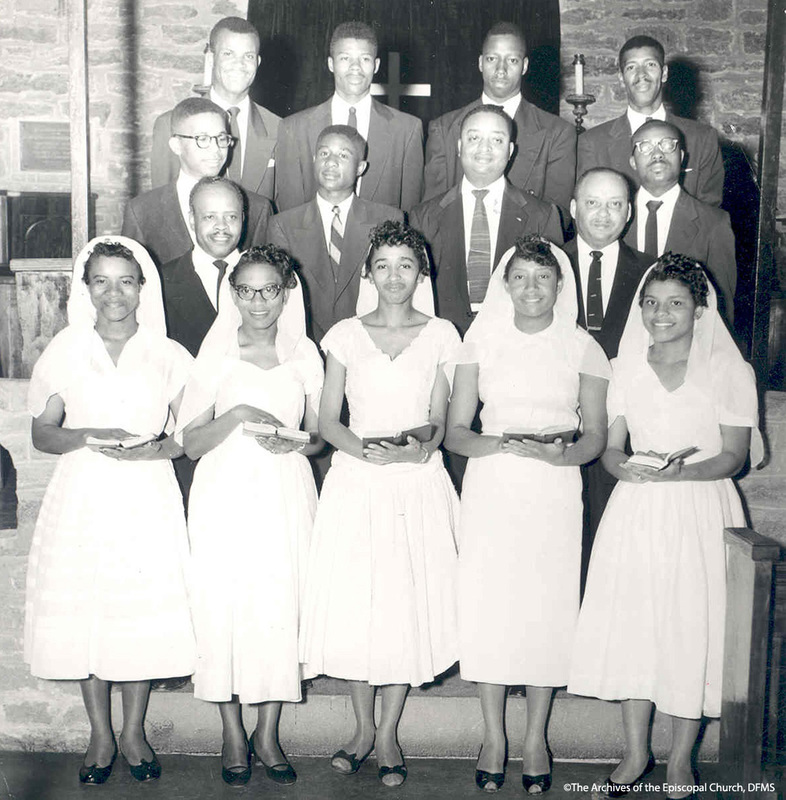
(609, 145)
(299, 231)
(155, 221)
(441, 221)
(395, 157)
(257, 176)
(189, 312)
(631, 266)
(543, 163)
(703, 232)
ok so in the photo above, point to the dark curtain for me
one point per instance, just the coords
(439, 42)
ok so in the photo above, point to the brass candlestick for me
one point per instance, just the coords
(580, 103)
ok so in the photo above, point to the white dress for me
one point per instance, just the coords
(380, 602)
(652, 621)
(521, 519)
(106, 581)
(249, 519)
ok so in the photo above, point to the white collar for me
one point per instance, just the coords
(326, 207)
(495, 191)
(668, 198)
(201, 257)
(636, 119)
(609, 253)
(510, 106)
(340, 107)
(242, 105)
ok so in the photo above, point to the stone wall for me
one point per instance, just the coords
(143, 56)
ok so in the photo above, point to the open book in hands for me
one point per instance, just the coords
(658, 462)
(543, 435)
(266, 429)
(423, 433)
(127, 444)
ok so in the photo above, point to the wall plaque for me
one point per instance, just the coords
(45, 146)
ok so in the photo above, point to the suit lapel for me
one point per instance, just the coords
(529, 143)
(684, 223)
(378, 152)
(619, 147)
(452, 266)
(172, 219)
(512, 220)
(355, 245)
(572, 251)
(310, 238)
(259, 149)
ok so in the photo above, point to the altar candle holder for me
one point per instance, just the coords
(580, 103)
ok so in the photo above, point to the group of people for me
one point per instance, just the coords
(321, 542)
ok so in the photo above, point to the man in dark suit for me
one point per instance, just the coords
(395, 140)
(330, 264)
(190, 283)
(643, 72)
(607, 276)
(158, 219)
(544, 160)
(666, 217)
(234, 49)
(470, 226)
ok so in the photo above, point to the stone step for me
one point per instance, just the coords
(441, 721)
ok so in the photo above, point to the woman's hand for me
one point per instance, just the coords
(103, 433)
(246, 413)
(279, 446)
(387, 453)
(552, 453)
(636, 473)
(151, 451)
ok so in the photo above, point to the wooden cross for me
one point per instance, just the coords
(394, 89)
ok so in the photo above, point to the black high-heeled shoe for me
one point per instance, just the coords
(237, 775)
(621, 789)
(283, 773)
(542, 781)
(145, 770)
(489, 781)
(94, 775)
(351, 758)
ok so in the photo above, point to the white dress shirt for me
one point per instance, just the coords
(493, 205)
(608, 269)
(665, 213)
(244, 105)
(339, 113)
(636, 119)
(326, 213)
(184, 185)
(207, 271)
(510, 106)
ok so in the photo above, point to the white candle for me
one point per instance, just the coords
(207, 72)
(578, 71)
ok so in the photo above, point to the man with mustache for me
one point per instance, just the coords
(643, 73)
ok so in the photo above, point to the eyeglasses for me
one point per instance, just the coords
(646, 146)
(270, 291)
(223, 140)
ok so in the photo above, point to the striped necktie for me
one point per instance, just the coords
(479, 258)
(594, 303)
(336, 242)
(234, 156)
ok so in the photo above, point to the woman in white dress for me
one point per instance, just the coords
(651, 624)
(106, 582)
(380, 607)
(252, 503)
(521, 510)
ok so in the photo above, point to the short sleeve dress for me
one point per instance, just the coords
(652, 621)
(250, 518)
(380, 599)
(521, 518)
(107, 573)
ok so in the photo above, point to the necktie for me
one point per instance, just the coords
(336, 242)
(594, 302)
(235, 153)
(353, 118)
(651, 228)
(479, 258)
(221, 266)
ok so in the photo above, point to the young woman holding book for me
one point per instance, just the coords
(521, 510)
(651, 624)
(380, 608)
(106, 581)
(252, 503)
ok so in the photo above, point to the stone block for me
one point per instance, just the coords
(57, 83)
(31, 32)
(183, 34)
(713, 10)
(169, 11)
(581, 15)
(659, 14)
(29, 713)
(164, 59)
(754, 41)
(753, 17)
(98, 57)
(767, 493)
(736, 126)
(708, 41)
(228, 8)
(24, 110)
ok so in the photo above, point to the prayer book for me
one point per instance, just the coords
(265, 429)
(657, 462)
(543, 435)
(423, 433)
(127, 444)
